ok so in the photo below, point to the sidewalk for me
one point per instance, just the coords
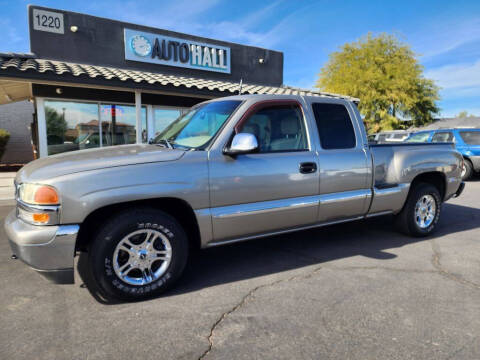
(7, 190)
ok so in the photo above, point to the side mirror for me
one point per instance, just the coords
(242, 143)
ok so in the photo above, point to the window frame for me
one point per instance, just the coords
(350, 116)
(260, 105)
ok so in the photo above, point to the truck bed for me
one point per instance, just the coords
(395, 166)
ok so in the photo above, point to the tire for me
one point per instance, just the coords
(467, 170)
(122, 260)
(412, 222)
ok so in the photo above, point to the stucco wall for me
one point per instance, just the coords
(16, 118)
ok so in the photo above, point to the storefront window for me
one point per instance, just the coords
(71, 126)
(119, 124)
(164, 117)
(75, 125)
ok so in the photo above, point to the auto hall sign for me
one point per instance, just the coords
(166, 50)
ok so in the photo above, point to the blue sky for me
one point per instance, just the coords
(444, 34)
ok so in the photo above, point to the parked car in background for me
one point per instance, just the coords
(386, 137)
(229, 170)
(467, 142)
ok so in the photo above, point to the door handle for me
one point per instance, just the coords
(308, 167)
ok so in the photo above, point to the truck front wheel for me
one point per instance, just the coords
(421, 212)
(138, 254)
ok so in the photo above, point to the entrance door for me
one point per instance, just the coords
(274, 189)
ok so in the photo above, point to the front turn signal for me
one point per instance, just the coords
(46, 195)
(41, 218)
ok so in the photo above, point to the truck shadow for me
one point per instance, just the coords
(371, 238)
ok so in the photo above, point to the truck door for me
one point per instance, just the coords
(274, 189)
(345, 168)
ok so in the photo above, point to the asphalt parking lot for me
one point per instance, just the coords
(356, 291)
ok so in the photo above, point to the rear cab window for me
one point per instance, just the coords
(335, 128)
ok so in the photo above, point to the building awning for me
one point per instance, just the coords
(28, 68)
(12, 91)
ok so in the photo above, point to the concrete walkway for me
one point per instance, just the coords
(7, 190)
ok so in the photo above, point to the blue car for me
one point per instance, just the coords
(467, 142)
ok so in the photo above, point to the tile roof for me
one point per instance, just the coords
(28, 63)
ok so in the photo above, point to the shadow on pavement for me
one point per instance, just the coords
(241, 261)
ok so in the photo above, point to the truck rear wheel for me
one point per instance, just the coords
(421, 212)
(138, 254)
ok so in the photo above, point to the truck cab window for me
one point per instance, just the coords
(278, 128)
(334, 126)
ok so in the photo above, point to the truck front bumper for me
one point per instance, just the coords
(47, 249)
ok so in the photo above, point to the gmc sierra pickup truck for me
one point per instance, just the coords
(230, 169)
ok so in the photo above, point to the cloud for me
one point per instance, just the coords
(193, 18)
(456, 76)
(445, 35)
(287, 27)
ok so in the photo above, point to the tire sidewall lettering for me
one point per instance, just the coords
(154, 226)
(141, 289)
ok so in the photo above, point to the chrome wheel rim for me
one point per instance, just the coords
(142, 257)
(464, 170)
(425, 210)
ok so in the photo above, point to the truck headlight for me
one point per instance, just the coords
(36, 194)
(38, 204)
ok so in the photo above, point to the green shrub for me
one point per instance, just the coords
(4, 136)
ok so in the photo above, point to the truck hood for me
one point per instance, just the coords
(92, 159)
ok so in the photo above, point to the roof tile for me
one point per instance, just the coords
(23, 63)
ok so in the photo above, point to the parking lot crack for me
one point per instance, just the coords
(245, 299)
(437, 254)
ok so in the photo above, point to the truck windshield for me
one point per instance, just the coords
(196, 128)
(471, 137)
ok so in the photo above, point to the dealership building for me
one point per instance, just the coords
(94, 82)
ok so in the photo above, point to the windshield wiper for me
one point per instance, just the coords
(165, 142)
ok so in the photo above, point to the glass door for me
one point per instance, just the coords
(119, 124)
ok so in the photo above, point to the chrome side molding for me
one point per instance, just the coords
(263, 207)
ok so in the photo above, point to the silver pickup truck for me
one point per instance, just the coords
(231, 169)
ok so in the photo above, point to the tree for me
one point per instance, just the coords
(385, 75)
(464, 114)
